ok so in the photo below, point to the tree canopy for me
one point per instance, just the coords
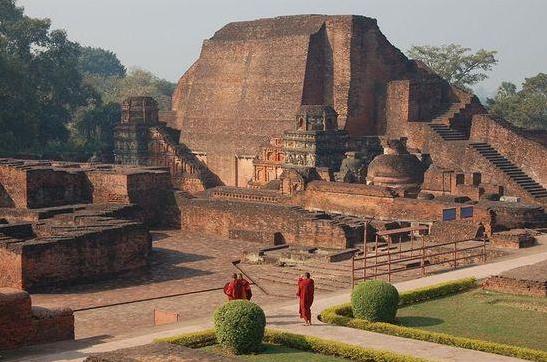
(60, 99)
(138, 82)
(40, 83)
(100, 62)
(455, 63)
(526, 108)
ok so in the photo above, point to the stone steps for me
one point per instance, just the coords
(515, 173)
(447, 133)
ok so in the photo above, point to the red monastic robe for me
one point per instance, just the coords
(305, 293)
(247, 289)
(235, 290)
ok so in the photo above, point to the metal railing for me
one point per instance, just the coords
(421, 256)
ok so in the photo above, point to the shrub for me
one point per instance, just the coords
(239, 326)
(375, 301)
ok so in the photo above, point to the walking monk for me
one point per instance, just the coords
(246, 286)
(305, 294)
(235, 289)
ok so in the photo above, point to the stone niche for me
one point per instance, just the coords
(316, 140)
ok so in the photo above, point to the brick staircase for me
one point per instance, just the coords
(454, 123)
(529, 185)
(447, 133)
(170, 137)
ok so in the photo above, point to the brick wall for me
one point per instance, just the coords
(374, 201)
(509, 285)
(262, 223)
(14, 182)
(251, 77)
(21, 324)
(526, 153)
(15, 318)
(79, 256)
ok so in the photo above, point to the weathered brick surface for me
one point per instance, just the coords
(264, 223)
(514, 239)
(526, 152)
(51, 325)
(42, 184)
(22, 325)
(516, 286)
(252, 76)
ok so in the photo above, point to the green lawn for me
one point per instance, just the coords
(276, 353)
(486, 315)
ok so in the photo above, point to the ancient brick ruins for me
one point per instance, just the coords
(308, 130)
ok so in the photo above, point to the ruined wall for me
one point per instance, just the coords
(22, 325)
(15, 318)
(252, 76)
(510, 285)
(85, 254)
(411, 101)
(526, 153)
(14, 186)
(377, 202)
(263, 223)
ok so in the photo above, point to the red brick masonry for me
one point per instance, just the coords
(21, 324)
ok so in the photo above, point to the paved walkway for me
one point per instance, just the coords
(282, 316)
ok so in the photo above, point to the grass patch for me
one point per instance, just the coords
(485, 315)
(273, 352)
(342, 315)
(315, 347)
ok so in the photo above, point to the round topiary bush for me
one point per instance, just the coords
(375, 301)
(239, 326)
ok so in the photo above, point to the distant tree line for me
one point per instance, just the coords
(59, 99)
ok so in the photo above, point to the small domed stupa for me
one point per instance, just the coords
(396, 167)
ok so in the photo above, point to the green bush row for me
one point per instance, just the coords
(199, 339)
(300, 342)
(333, 348)
(436, 291)
(341, 315)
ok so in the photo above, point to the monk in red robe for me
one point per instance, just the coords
(305, 292)
(235, 289)
(246, 286)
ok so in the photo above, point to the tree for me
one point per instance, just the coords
(138, 82)
(40, 83)
(455, 63)
(101, 62)
(526, 108)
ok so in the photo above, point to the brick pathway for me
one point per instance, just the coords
(181, 263)
(282, 316)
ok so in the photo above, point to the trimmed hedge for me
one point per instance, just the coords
(341, 315)
(375, 301)
(239, 326)
(199, 339)
(436, 291)
(300, 342)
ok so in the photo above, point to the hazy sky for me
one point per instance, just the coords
(164, 36)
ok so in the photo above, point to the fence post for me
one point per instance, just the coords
(423, 256)
(455, 254)
(353, 271)
(389, 265)
(484, 250)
